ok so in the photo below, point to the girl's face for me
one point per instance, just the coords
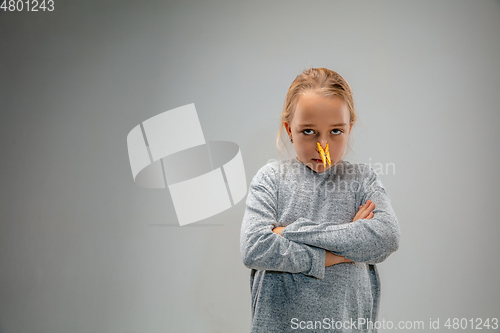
(319, 119)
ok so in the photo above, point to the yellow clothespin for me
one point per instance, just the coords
(325, 154)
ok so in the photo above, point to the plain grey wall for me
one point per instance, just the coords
(83, 249)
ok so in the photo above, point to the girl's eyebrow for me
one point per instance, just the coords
(312, 125)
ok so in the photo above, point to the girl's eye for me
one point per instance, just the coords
(304, 131)
(336, 131)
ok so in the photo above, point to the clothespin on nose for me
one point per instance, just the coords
(325, 154)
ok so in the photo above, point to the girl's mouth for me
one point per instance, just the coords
(317, 160)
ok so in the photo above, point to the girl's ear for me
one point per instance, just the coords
(288, 129)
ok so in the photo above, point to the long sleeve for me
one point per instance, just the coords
(264, 250)
(365, 240)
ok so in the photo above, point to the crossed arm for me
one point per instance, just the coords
(307, 247)
(364, 212)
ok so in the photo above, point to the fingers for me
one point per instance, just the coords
(365, 211)
(366, 205)
(367, 208)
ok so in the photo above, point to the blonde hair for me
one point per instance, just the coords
(322, 81)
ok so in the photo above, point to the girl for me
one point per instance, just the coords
(312, 232)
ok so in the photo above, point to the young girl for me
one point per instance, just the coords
(315, 225)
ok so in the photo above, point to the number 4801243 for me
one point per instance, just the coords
(27, 5)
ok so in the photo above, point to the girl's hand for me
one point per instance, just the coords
(333, 259)
(365, 212)
(278, 230)
(330, 258)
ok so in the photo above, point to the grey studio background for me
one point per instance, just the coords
(84, 249)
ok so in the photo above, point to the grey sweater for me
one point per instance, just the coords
(291, 288)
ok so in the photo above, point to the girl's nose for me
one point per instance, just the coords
(322, 143)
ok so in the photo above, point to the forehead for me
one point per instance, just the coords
(317, 110)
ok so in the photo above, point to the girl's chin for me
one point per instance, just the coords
(317, 166)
